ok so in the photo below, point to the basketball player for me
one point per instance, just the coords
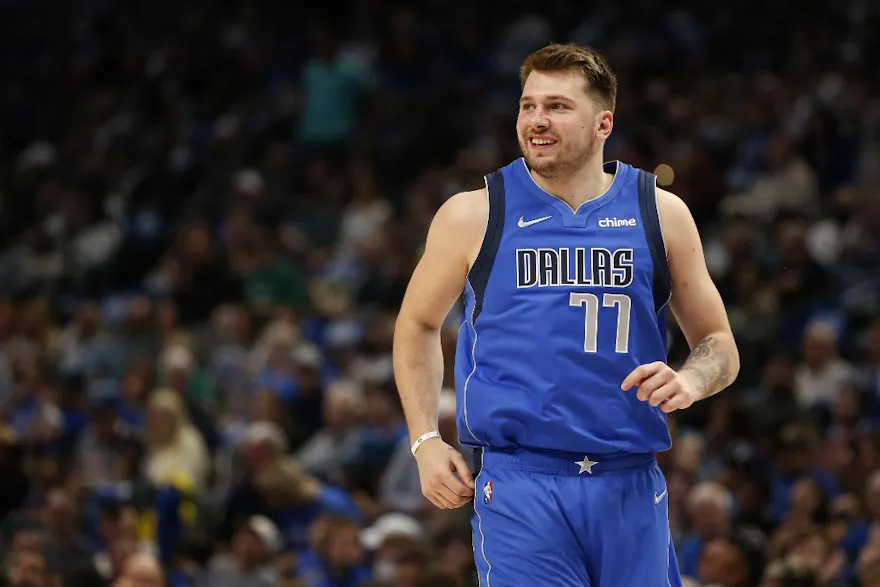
(567, 265)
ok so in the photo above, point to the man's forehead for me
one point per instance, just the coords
(541, 85)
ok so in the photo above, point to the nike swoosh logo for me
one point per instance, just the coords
(659, 498)
(524, 224)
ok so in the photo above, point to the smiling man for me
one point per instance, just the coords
(568, 264)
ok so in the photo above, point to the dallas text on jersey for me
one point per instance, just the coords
(565, 267)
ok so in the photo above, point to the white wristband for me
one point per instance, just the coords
(421, 439)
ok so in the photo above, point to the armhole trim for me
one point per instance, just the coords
(479, 274)
(662, 282)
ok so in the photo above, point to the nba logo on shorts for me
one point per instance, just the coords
(487, 492)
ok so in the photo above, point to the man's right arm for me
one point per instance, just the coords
(453, 242)
(453, 239)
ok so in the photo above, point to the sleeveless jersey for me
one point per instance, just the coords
(560, 306)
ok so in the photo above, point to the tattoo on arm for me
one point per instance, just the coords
(709, 363)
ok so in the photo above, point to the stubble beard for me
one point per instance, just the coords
(565, 161)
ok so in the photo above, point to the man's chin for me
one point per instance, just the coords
(542, 164)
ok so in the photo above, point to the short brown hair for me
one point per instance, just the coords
(601, 81)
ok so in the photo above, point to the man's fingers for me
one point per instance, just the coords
(440, 496)
(635, 377)
(447, 481)
(456, 486)
(676, 403)
(448, 496)
(662, 393)
(460, 467)
(440, 501)
(653, 383)
(447, 491)
(647, 387)
(639, 374)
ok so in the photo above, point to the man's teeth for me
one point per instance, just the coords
(543, 141)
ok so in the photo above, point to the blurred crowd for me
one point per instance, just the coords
(209, 212)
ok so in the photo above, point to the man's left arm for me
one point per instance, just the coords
(713, 363)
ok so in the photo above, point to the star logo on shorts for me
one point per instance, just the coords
(586, 465)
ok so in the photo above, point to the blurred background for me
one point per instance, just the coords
(209, 211)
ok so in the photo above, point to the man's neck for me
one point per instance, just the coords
(587, 183)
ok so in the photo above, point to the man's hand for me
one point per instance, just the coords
(438, 465)
(662, 386)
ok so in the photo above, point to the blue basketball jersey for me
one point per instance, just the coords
(560, 306)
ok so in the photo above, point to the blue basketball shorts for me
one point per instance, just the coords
(566, 520)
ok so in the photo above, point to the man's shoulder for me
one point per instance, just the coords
(462, 205)
(471, 207)
(676, 220)
(672, 205)
(463, 215)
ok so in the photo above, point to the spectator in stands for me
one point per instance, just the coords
(709, 509)
(338, 444)
(722, 564)
(106, 443)
(175, 452)
(64, 545)
(28, 569)
(141, 570)
(823, 373)
(250, 563)
(339, 559)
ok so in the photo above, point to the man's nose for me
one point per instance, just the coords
(539, 120)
